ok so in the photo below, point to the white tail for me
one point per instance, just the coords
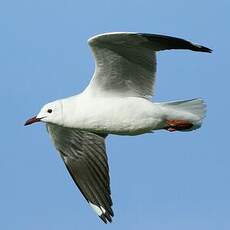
(193, 110)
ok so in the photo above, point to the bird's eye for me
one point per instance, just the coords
(49, 111)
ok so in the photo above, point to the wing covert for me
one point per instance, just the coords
(126, 62)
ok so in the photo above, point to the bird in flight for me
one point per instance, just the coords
(116, 101)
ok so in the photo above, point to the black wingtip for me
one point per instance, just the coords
(103, 218)
(201, 48)
(207, 49)
(165, 42)
(106, 218)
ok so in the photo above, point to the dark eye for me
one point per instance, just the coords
(49, 111)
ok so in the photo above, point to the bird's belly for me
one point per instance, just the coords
(122, 126)
(125, 116)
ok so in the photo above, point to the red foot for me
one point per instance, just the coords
(177, 125)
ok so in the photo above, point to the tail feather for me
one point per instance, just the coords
(194, 110)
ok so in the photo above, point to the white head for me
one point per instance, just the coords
(50, 113)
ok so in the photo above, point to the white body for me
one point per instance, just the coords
(119, 115)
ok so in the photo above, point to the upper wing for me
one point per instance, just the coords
(85, 158)
(126, 62)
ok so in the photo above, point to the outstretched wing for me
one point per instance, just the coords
(85, 157)
(126, 62)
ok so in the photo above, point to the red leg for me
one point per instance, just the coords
(177, 125)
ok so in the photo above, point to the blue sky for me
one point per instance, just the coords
(159, 181)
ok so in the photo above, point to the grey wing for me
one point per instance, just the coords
(126, 62)
(85, 157)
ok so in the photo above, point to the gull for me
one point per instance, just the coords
(118, 100)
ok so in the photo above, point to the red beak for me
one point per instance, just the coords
(32, 120)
